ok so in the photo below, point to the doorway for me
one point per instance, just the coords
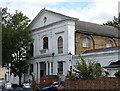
(42, 69)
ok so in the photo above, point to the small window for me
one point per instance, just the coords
(45, 43)
(60, 67)
(60, 45)
(45, 19)
(86, 42)
(109, 43)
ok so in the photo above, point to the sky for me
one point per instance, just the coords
(96, 11)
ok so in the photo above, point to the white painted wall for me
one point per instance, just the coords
(55, 60)
(39, 22)
(104, 58)
(71, 38)
(65, 29)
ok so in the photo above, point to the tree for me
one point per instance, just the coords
(115, 22)
(16, 39)
(7, 36)
(86, 69)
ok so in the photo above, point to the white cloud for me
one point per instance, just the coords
(100, 11)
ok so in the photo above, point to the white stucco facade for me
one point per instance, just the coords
(45, 61)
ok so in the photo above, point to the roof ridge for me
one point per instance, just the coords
(60, 14)
(98, 24)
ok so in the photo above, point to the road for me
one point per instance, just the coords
(17, 90)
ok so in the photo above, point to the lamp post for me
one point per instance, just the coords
(8, 66)
(70, 62)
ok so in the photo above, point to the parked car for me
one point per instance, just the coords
(2, 84)
(61, 86)
(8, 85)
(53, 86)
(50, 87)
(16, 86)
(27, 85)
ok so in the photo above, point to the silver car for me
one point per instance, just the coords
(26, 85)
(8, 85)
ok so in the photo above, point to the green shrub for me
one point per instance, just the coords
(117, 74)
(85, 69)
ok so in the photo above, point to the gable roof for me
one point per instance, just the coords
(96, 29)
(45, 10)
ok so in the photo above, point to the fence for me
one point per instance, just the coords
(100, 84)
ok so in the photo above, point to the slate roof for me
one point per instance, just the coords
(96, 29)
(102, 50)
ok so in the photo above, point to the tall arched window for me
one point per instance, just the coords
(45, 43)
(31, 49)
(60, 45)
(86, 42)
(109, 43)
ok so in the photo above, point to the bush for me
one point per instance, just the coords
(70, 76)
(85, 70)
(117, 74)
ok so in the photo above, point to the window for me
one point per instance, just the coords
(60, 45)
(45, 18)
(31, 49)
(52, 68)
(109, 43)
(45, 43)
(31, 69)
(60, 67)
(86, 42)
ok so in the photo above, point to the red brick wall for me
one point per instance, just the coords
(100, 84)
(44, 80)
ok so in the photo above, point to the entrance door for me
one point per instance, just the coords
(41, 73)
(42, 68)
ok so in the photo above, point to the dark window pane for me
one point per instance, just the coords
(60, 45)
(31, 49)
(60, 67)
(45, 43)
(31, 69)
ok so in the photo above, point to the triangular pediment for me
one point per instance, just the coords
(46, 17)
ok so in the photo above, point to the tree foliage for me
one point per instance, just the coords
(16, 39)
(7, 36)
(86, 69)
(115, 22)
(117, 74)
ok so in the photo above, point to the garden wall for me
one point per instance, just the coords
(100, 84)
